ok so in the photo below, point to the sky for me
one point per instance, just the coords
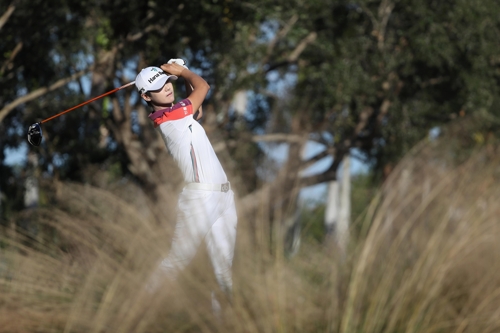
(16, 156)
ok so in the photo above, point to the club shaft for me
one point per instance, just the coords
(87, 102)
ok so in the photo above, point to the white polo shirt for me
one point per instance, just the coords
(188, 144)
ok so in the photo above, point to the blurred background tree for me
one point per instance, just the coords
(370, 75)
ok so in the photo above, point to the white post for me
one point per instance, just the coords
(332, 208)
(240, 102)
(342, 231)
(31, 190)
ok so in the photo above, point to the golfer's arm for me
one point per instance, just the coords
(189, 89)
(197, 91)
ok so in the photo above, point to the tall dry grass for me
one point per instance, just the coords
(426, 260)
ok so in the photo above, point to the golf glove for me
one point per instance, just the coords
(178, 61)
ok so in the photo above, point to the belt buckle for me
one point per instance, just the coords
(224, 187)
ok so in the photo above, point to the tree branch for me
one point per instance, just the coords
(39, 92)
(277, 137)
(294, 55)
(380, 23)
(5, 17)
(328, 175)
(325, 153)
(363, 120)
(384, 12)
(162, 29)
(8, 63)
(311, 37)
(280, 35)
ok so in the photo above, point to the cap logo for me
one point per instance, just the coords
(151, 79)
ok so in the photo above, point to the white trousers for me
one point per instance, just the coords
(203, 216)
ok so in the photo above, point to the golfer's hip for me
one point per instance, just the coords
(220, 187)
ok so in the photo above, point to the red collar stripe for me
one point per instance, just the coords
(176, 112)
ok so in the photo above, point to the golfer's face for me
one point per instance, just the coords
(164, 95)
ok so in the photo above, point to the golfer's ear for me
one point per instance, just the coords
(146, 97)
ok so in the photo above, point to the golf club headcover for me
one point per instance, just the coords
(178, 61)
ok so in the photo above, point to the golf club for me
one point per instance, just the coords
(35, 130)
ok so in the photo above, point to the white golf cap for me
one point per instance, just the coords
(152, 78)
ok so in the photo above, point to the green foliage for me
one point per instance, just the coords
(431, 60)
(102, 38)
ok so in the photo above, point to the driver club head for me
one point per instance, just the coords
(35, 134)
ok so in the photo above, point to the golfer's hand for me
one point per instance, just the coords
(178, 61)
(174, 69)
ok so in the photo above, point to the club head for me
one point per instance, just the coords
(35, 134)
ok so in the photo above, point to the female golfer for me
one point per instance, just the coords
(206, 208)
